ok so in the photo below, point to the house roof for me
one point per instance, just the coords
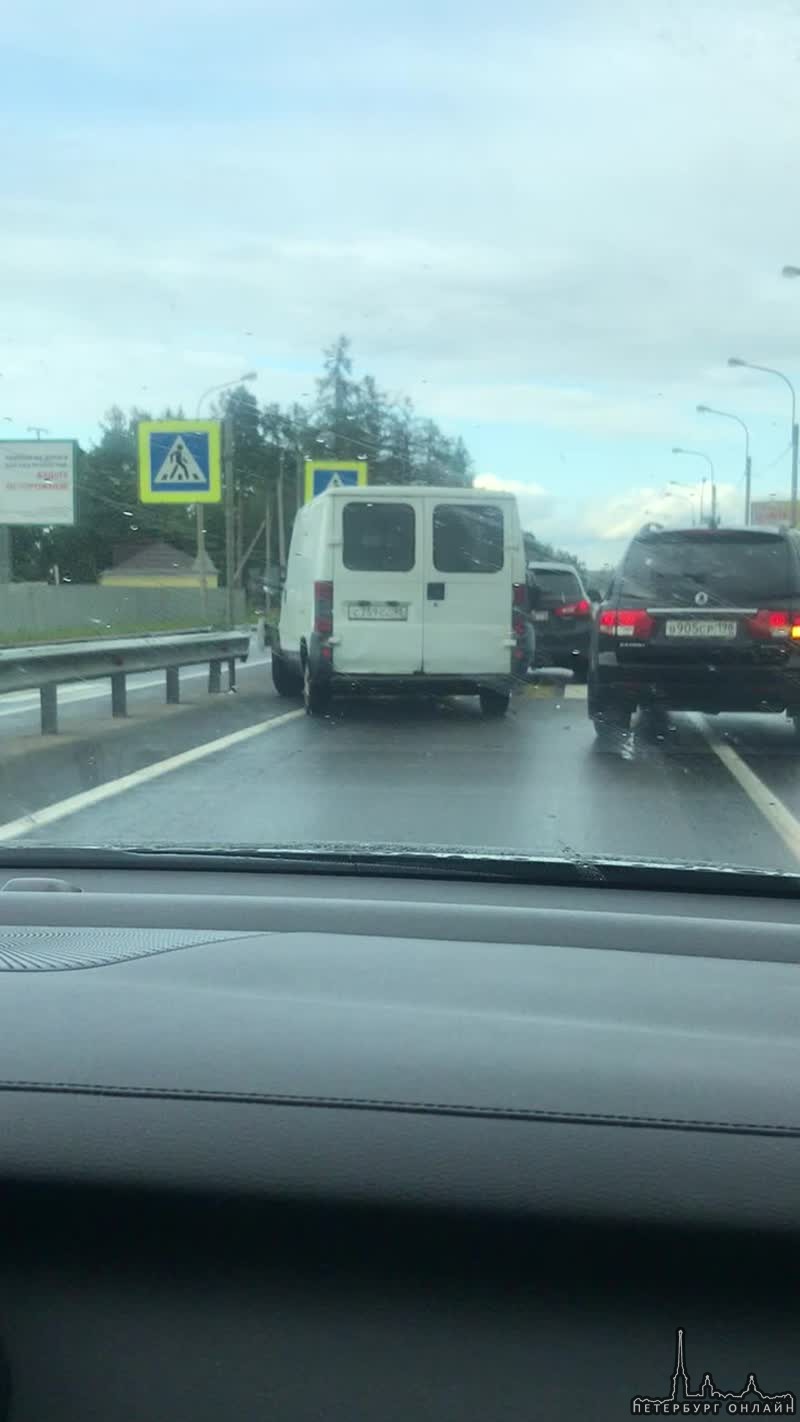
(158, 558)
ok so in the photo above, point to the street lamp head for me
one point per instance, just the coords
(704, 409)
(676, 449)
(791, 272)
(249, 375)
(736, 360)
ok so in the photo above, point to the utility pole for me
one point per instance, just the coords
(267, 547)
(229, 506)
(200, 527)
(281, 515)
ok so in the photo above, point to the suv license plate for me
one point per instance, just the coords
(694, 627)
(377, 612)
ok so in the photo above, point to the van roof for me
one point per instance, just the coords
(405, 491)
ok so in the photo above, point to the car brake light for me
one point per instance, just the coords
(323, 609)
(582, 608)
(774, 623)
(631, 622)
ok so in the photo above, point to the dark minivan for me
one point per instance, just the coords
(701, 619)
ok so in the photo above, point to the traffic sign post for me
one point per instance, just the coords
(180, 462)
(323, 474)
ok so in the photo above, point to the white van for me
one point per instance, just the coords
(398, 588)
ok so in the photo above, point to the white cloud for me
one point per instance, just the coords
(619, 518)
(536, 504)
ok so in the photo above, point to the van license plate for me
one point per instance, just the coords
(377, 612)
(695, 627)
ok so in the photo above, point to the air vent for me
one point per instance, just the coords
(59, 949)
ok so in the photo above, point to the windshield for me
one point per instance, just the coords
(399, 432)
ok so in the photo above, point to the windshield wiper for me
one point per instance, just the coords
(405, 862)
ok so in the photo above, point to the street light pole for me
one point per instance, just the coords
(725, 415)
(700, 454)
(768, 370)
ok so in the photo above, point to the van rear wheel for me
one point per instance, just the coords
(494, 703)
(285, 681)
(316, 694)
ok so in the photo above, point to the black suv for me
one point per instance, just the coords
(703, 619)
(560, 608)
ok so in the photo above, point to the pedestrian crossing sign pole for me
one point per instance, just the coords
(180, 462)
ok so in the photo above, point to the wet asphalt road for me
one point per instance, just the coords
(432, 773)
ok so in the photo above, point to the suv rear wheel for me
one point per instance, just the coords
(316, 694)
(610, 714)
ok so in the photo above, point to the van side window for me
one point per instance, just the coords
(468, 538)
(378, 538)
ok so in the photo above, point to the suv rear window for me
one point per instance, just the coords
(555, 585)
(378, 538)
(468, 538)
(736, 568)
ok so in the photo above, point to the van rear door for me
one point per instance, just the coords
(377, 587)
(468, 586)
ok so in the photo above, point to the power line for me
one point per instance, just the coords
(776, 460)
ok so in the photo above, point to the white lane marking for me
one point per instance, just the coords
(575, 693)
(13, 829)
(773, 809)
(16, 703)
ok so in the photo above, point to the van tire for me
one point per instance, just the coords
(494, 703)
(316, 694)
(285, 681)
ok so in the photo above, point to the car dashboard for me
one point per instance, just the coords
(300, 1147)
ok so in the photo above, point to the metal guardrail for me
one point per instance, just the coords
(45, 668)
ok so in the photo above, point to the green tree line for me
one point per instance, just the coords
(348, 417)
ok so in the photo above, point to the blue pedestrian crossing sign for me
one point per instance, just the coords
(180, 462)
(324, 474)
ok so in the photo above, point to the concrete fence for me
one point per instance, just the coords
(39, 611)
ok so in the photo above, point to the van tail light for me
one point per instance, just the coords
(582, 608)
(631, 622)
(323, 609)
(519, 606)
(777, 624)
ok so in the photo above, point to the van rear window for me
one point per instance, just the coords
(468, 538)
(378, 538)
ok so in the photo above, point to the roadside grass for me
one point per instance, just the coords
(26, 637)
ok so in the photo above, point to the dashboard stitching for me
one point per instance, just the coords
(357, 1103)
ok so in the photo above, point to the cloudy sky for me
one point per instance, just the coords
(550, 226)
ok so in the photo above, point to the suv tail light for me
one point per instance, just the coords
(323, 609)
(519, 604)
(581, 608)
(631, 622)
(778, 624)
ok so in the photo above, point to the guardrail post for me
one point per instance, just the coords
(48, 698)
(173, 685)
(214, 676)
(231, 673)
(119, 694)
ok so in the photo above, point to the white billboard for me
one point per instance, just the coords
(37, 481)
